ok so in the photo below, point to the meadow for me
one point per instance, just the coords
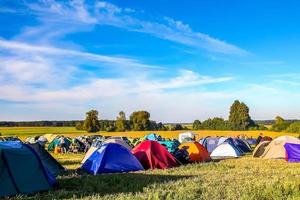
(242, 178)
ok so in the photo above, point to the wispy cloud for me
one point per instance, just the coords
(78, 14)
(15, 47)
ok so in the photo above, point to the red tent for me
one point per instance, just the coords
(153, 155)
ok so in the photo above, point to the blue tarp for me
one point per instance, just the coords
(111, 158)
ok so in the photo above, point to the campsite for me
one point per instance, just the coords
(240, 174)
(151, 99)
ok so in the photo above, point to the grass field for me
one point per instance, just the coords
(244, 178)
(24, 132)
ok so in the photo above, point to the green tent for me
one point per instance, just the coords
(56, 142)
(170, 145)
(48, 161)
(21, 170)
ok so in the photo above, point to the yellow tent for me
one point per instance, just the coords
(276, 150)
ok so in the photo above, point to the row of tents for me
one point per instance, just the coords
(119, 155)
(284, 147)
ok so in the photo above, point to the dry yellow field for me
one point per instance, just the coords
(24, 132)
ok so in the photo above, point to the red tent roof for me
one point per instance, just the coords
(153, 155)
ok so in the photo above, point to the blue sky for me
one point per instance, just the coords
(179, 60)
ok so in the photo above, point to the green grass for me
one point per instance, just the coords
(244, 178)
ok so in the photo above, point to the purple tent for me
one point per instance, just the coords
(292, 152)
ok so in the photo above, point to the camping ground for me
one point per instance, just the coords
(243, 178)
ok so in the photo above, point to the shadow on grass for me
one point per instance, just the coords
(87, 185)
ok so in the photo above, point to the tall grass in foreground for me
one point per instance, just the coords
(244, 178)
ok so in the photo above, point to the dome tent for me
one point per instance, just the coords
(276, 150)
(226, 150)
(260, 148)
(118, 141)
(196, 151)
(31, 177)
(47, 159)
(210, 143)
(111, 158)
(153, 155)
(292, 152)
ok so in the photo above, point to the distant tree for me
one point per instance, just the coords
(139, 121)
(91, 123)
(79, 126)
(177, 127)
(294, 128)
(196, 125)
(216, 123)
(239, 118)
(279, 120)
(161, 127)
(121, 123)
(280, 124)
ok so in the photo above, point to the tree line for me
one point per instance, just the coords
(239, 119)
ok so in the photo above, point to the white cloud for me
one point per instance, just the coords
(78, 14)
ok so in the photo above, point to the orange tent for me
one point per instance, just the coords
(197, 152)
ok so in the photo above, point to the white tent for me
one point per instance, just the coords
(225, 150)
(182, 136)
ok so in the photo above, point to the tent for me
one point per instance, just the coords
(153, 137)
(260, 148)
(153, 155)
(57, 142)
(118, 141)
(292, 152)
(242, 145)
(22, 171)
(111, 158)
(182, 136)
(210, 143)
(276, 150)
(91, 150)
(251, 141)
(170, 145)
(48, 161)
(50, 137)
(226, 150)
(196, 151)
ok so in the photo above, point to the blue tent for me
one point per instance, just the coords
(111, 158)
(153, 137)
(21, 170)
(241, 145)
(252, 141)
(210, 143)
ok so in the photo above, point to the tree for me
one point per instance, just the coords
(279, 120)
(196, 125)
(139, 121)
(239, 118)
(216, 123)
(79, 126)
(280, 124)
(121, 123)
(91, 123)
(176, 127)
